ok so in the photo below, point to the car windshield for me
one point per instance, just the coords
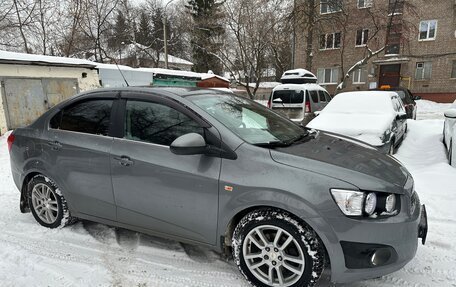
(249, 120)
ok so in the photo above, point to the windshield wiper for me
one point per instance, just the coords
(273, 144)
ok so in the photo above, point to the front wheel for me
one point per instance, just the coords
(272, 248)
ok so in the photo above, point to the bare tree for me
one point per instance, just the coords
(251, 27)
(96, 24)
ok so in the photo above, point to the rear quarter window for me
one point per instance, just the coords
(314, 96)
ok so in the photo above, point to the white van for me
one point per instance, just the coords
(298, 99)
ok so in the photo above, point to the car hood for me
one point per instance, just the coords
(346, 159)
(366, 127)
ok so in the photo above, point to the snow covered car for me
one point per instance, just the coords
(375, 117)
(408, 99)
(208, 167)
(449, 134)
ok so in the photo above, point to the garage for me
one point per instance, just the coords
(32, 84)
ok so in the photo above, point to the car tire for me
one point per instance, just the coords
(47, 204)
(450, 154)
(268, 243)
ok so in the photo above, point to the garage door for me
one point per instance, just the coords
(27, 99)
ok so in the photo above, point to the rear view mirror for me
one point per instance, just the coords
(416, 98)
(401, 116)
(451, 113)
(189, 144)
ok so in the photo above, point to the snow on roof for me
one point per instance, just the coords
(299, 87)
(266, 85)
(298, 73)
(113, 66)
(134, 47)
(363, 102)
(177, 73)
(12, 57)
(205, 76)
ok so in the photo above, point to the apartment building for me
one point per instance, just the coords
(417, 40)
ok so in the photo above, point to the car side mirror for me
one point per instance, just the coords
(316, 113)
(401, 116)
(189, 144)
(451, 113)
(416, 98)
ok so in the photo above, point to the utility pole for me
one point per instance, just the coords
(165, 38)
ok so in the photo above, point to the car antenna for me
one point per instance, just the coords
(120, 71)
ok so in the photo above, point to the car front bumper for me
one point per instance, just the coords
(393, 240)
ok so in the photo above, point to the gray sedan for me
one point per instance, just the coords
(210, 168)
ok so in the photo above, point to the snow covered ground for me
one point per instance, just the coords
(91, 254)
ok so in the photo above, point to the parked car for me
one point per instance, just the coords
(449, 134)
(408, 99)
(374, 117)
(208, 167)
(299, 102)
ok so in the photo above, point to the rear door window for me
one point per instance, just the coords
(288, 97)
(314, 96)
(157, 123)
(90, 117)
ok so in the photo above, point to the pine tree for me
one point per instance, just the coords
(120, 31)
(206, 31)
(144, 34)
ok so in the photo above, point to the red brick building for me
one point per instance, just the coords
(419, 39)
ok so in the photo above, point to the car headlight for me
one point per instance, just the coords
(358, 203)
(371, 203)
(349, 201)
(390, 203)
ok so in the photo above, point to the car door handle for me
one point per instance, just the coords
(55, 145)
(124, 160)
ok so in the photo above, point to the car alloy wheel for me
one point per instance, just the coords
(44, 202)
(279, 261)
(273, 248)
(47, 204)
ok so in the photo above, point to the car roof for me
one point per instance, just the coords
(176, 91)
(389, 94)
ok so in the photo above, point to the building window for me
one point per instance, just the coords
(395, 7)
(428, 30)
(360, 76)
(364, 4)
(393, 40)
(423, 70)
(328, 76)
(362, 35)
(330, 6)
(330, 41)
(453, 70)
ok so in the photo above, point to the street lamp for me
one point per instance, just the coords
(165, 41)
(120, 52)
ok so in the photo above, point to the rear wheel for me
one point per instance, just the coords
(271, 248)
(47, 203)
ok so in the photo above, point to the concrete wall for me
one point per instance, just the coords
(89, 82)
(31, 71)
